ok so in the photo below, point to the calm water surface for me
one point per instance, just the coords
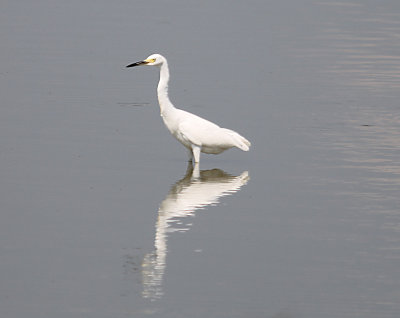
(100, 214)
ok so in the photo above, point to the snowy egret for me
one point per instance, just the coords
(195, 133)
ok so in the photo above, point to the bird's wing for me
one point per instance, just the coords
(201, 132)
(206, 134)
(189, 133)
(238, 140)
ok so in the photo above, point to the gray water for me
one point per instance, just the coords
(100, 215)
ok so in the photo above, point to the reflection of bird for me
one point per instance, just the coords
(197, 190)
(195, 133)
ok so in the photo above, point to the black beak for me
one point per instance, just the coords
(137, 64)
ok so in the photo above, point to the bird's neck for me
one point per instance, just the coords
(162, 90)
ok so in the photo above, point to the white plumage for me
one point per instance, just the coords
(195, 133)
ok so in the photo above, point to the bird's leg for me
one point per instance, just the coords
(190, 155)
(195, 172)
(196, 153)
(189, 170)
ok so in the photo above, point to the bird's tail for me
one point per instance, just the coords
(240, 142)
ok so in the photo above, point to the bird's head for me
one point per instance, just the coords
(152, 60)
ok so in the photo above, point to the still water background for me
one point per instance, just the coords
(99, 215)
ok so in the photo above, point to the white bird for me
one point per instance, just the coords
(195, 133)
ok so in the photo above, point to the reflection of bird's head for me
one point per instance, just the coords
(152, 60)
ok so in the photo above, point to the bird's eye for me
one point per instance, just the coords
(149, 60)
